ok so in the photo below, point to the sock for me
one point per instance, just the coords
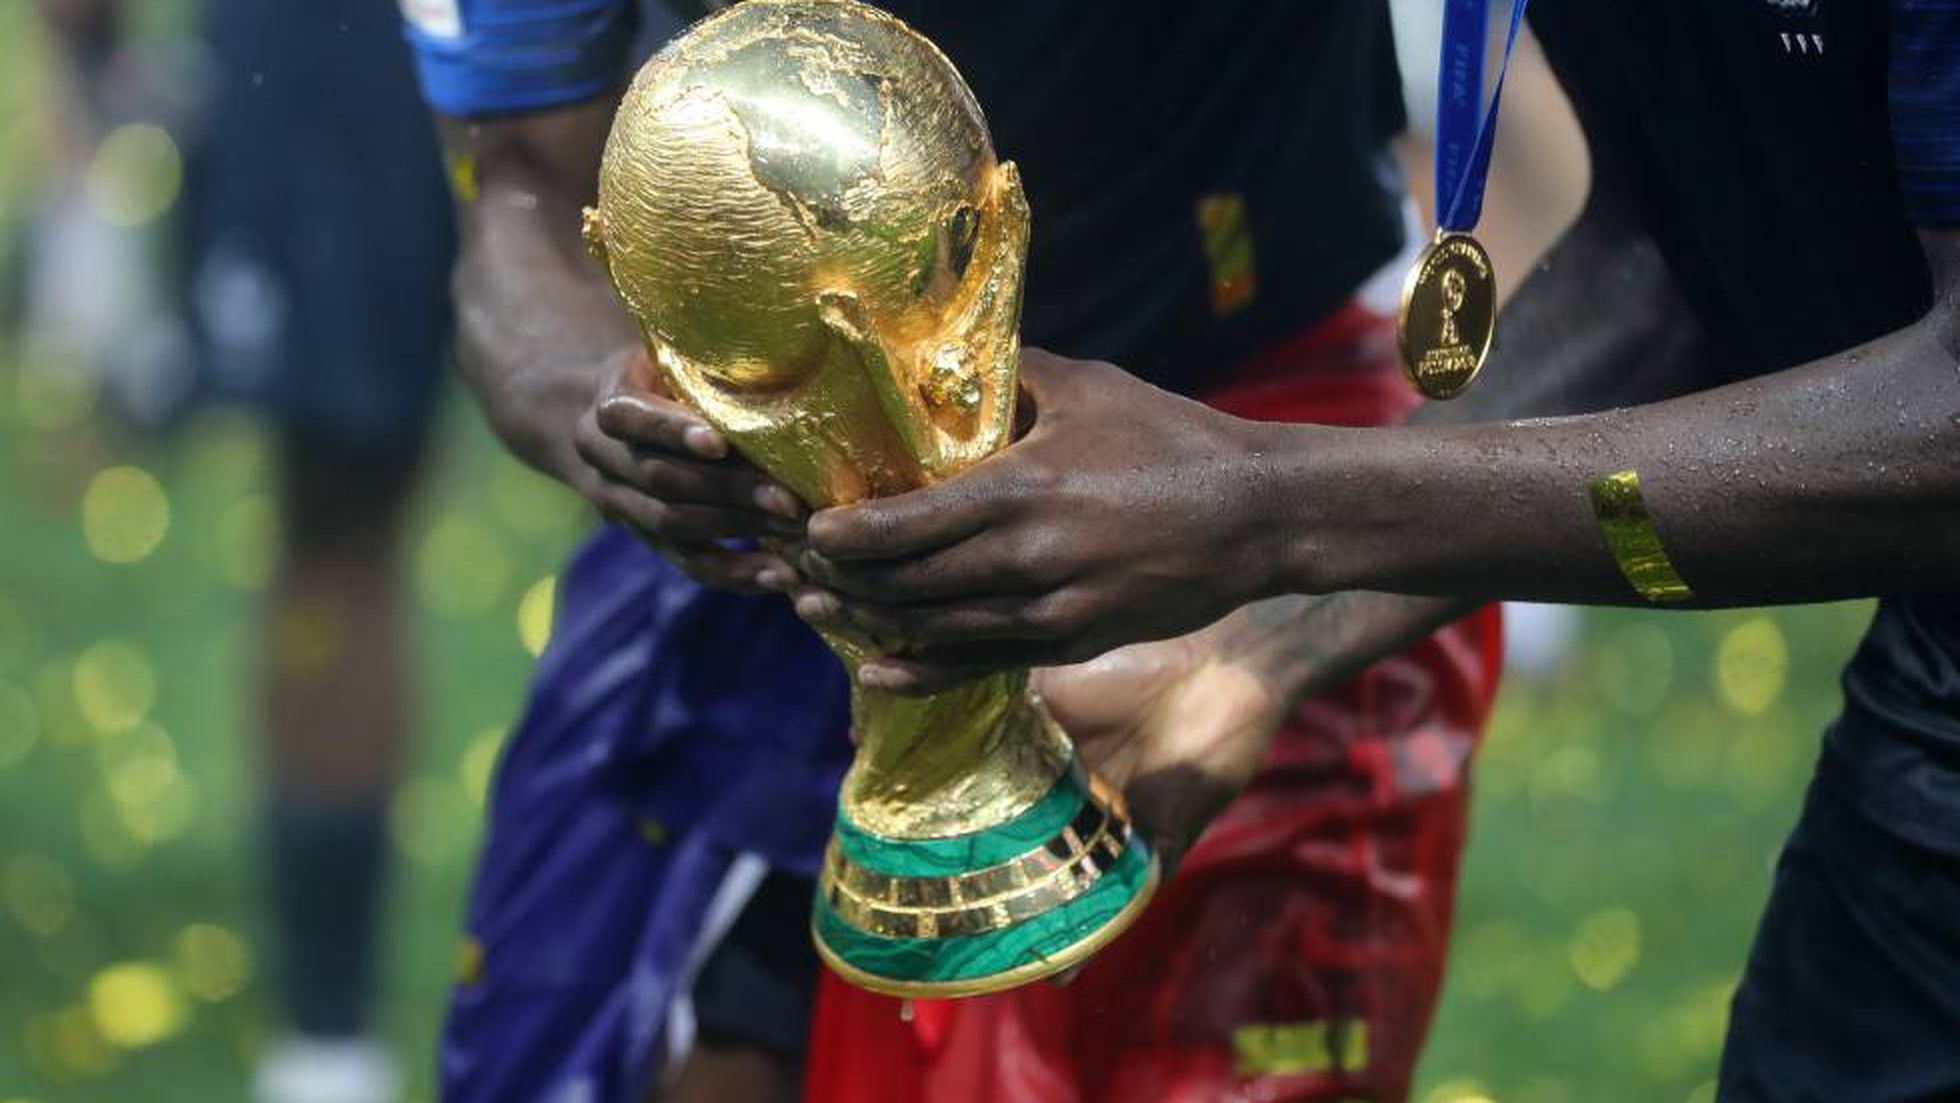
(327, 860)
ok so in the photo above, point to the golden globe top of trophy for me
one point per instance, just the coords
(801, 207)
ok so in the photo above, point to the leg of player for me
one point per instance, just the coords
(333, 690)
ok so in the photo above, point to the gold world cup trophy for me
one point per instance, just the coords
(801, 207)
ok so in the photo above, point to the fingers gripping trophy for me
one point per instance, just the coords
(801, 207)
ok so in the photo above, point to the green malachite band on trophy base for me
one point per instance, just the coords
(930, 961)
(952, 856)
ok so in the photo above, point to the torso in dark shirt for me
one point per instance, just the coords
(1143, 128)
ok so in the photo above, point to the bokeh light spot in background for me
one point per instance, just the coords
(469, 962)
(479, 764)
(1565, 777)
(125, 515)
(1605, 948)
(213, 963)
(226, 451)
(528, 503)
(144, 741)
(52, 393)
(115, 686)
(67, 1045)
(135, 1004)
(153, 798)
(20, 724)
(1707, 1016)
(534, 614)
(1542, 1089)
(433, 821)
(40, 895)
(245, 537)
(106, 836)
(1688, 1034)
(54, 693)
(461, 571)
(1751, 664)
(1636, 668)
(1458, 1091)
(136, 174)
(1543, 985)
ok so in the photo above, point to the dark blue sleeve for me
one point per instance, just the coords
(486, 57)
(1925, 95)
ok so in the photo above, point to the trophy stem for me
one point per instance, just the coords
(973, 852)
(953, 763)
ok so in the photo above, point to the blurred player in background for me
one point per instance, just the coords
(316, 238)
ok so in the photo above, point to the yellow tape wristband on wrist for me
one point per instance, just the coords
(1630, 536)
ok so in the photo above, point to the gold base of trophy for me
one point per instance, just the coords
(984, 912)
(999, 982)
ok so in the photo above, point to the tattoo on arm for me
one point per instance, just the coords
(1303, 645)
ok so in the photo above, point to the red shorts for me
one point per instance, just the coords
(1296, 954)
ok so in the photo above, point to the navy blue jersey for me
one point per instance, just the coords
(1206, 179)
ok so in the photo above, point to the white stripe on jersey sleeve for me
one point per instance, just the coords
(438, 18)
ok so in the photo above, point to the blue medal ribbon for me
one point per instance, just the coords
(1465, 127)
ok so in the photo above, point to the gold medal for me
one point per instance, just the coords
(1449, 310)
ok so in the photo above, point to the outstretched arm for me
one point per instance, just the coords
(1556, 355)
(1835, 479)
(1127, 514)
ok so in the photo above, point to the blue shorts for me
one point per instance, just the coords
(680, 745)
(318, 228)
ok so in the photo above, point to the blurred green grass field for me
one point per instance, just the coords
(1627, 810)
(128, 921)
